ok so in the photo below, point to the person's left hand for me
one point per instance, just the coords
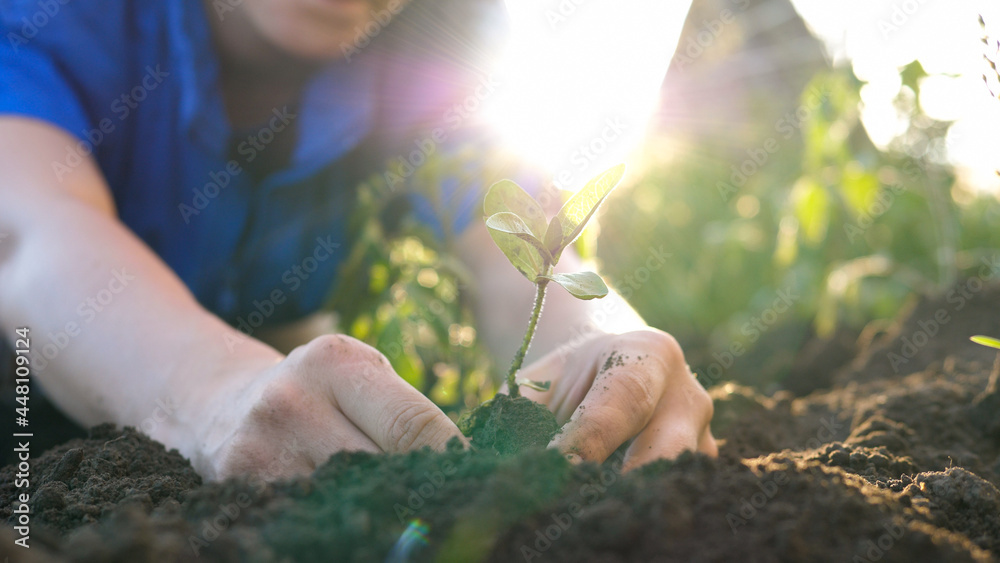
(617, 386)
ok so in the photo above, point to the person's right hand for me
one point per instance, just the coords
(334, 393)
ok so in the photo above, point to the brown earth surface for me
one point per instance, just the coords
(883, 460)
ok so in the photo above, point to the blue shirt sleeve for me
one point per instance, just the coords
(33, 85)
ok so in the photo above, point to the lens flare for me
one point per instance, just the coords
(579, 80)
(413, 539)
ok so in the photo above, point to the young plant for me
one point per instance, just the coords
(533, 245)
(986, 341)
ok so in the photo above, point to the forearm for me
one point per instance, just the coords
(113, 329)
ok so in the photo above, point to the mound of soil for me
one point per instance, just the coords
(890, 461)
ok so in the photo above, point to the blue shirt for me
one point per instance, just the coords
(137, 84)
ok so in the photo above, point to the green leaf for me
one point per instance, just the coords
(812, 208)
(506, 195)
(514, 238)
(582, 285)
(536, 385)
(987, 341)
(522, 255)
(553, 237)
(573, 217)
(510, 223)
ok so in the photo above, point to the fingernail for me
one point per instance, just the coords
(574, 459)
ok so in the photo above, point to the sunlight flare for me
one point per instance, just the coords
(580, 80)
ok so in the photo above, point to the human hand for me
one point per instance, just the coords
(615, 387)
(334, 393)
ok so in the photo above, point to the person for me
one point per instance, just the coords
(169, 171)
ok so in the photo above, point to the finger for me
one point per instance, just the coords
(563, 398)
(620, 402)
(374, 398)
(707, 444)
(336, 432)
(665, 438)
(680, 423)
(302, 453)
(291, 430)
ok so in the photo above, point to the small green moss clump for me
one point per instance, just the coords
(509, 425)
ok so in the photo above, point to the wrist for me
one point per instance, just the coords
(203, 392)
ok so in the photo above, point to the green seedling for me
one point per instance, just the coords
(986, 341)
(533, 245)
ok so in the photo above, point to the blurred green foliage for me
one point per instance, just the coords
(403, 293)
(848, 230)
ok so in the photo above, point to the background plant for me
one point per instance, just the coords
(987, 341)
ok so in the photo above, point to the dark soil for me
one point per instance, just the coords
(888, 461)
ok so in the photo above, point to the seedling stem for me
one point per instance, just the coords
(540, 287)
